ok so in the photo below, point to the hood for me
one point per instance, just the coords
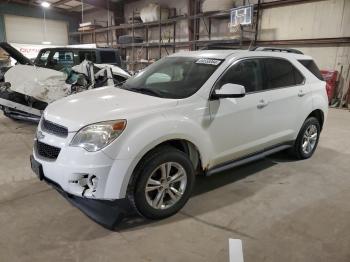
(102, 104)
(43, 84)
(15, 54)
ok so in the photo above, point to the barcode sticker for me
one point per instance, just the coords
(208, 61)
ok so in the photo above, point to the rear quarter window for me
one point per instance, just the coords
(108, 57)
(88, 55)
(312, 67)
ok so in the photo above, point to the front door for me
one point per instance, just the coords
(236, 123)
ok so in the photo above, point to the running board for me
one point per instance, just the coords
(20, 107)
(246, 160)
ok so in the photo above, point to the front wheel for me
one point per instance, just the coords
(307, 140)
(164, 184)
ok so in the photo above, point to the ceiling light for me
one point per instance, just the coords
(45, 4)
(46, 43)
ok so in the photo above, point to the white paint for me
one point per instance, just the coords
(235, 250)
(41, 83)
(48, 85)
(222, 130)
(83, 46)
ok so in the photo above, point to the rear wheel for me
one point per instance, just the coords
(164, 184)
(307, 140)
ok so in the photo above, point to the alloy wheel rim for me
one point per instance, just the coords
(166, 185)
(309, 139)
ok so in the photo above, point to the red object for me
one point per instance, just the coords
(330, 76)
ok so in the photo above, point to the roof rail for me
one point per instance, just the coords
(220, 47)
(276, 49)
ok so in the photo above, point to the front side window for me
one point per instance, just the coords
(246, 73)
(281, 73)
(42, 58)
(62, 59)
(173, 77)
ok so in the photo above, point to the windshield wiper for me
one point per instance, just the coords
(145, 91)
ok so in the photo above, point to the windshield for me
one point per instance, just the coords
(173, 77)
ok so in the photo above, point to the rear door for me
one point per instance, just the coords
(281, 101)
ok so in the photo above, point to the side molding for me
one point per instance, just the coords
(247, 159)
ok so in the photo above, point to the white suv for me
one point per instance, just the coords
(188, 113)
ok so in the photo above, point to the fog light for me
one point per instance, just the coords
(85, 184)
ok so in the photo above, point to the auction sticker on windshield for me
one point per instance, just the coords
(207, 61)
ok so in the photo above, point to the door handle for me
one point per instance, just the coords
(262, 103)
(301, 93)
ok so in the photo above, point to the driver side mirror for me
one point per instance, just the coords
(229, 91)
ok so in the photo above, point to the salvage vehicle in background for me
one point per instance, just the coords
(192, 112)
(29, 86)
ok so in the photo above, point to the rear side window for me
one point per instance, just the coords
(280, 73)
(310, 64)
(108, 57)
(246, 73)
(88, 55)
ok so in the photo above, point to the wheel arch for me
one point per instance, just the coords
(319, 115)
(181, 144)
(185, 146)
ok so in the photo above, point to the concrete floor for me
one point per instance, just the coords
(283, 210)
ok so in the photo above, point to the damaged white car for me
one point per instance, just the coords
(28, 87)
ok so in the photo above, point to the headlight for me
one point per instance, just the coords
(96, 136)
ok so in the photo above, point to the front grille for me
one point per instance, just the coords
(47, 151)
(54, 128)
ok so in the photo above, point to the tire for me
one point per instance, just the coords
(154, 168)
(310, 128)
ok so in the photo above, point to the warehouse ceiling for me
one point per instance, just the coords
(71, 5)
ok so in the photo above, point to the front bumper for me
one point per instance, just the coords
(86, 174)
(106, 213)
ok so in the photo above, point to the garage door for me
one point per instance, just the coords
(28, 30)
